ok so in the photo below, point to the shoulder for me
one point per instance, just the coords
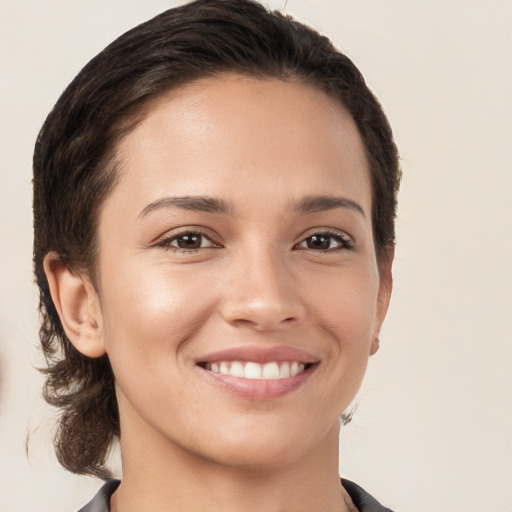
(362, 500)
(101, 502)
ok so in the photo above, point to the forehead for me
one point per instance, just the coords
(213, 134)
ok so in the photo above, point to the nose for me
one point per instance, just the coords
(262, 293)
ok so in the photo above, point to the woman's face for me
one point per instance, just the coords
(239, 290)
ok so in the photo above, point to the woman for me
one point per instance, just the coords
(214, 203)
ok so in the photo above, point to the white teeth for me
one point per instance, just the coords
(270, 371)
(284, 371)
(237, 369)
(251, 370)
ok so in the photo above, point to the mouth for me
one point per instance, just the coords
(253, 370)
(258, 374)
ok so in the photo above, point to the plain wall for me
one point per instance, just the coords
(433, 431)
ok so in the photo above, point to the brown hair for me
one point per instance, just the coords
(74, 166)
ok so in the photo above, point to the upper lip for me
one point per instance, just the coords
(260, 355)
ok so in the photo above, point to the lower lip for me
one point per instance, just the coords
(259, 389)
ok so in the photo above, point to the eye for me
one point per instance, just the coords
(328, 241)
(187, 241)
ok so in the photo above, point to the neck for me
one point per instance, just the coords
(158, 476)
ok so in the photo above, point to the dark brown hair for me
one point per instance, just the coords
(74, 166)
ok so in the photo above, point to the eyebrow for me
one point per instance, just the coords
(308, 204)
(313, 204)
(195, 203)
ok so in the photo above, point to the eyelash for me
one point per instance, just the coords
(345, 241)
(166, 242)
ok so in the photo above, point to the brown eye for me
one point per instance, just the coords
(318, 242)
(327, 242)
(189, 241)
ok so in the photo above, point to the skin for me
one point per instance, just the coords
(256, 279)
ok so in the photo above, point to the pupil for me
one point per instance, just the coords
(319, 242)
(189, 241)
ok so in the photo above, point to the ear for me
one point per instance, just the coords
(383, 297)
(77, 305)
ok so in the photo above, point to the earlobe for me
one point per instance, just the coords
(375, 345)
(77, 305)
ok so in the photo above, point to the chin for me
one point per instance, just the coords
(258, 457)
(264, 448)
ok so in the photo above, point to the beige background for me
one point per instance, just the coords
(433, 432)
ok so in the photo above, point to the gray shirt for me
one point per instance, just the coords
(362, 500)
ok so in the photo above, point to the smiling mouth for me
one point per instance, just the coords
(252, 370)
(257, 373)
(258, 381)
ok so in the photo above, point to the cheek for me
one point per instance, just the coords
(347, 308)
(149, 314)
(346, 302)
